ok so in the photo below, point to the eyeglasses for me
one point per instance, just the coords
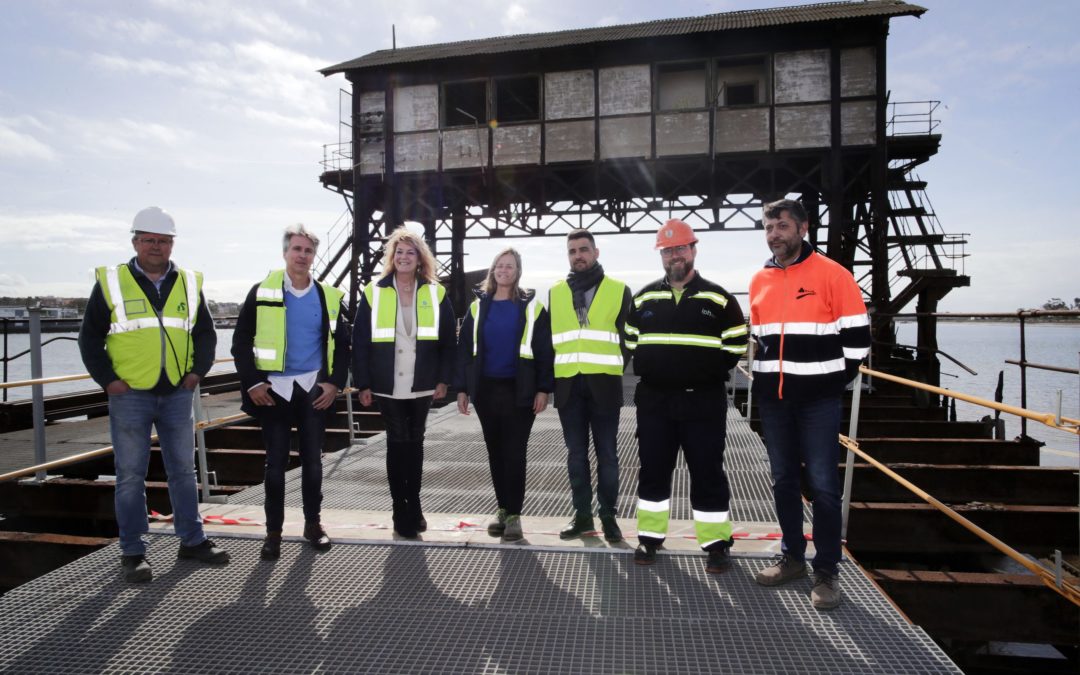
(152, 241)
(675, 250)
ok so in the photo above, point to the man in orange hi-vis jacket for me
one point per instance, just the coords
(811, 328)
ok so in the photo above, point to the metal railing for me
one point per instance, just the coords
(1053, 578)
(911, 118)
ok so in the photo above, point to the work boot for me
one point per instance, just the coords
(204, 552)
(785, 569)
(581, 524)
(719, 561)
(513, 529)
(498, 524)
(271, 548)
(135, 568)
(826, 592)
(404, 526)
(315, 534)
(421, 524)
(612, 533)
(645, 554)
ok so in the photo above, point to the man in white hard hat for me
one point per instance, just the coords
(147, 338)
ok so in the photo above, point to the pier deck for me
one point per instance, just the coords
(457, 600)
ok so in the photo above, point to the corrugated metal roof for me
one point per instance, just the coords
(755, 18)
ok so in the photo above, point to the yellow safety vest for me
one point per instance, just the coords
(140, 343)
(383, 304)
(532, 312)
(270, 340)
(594, 349)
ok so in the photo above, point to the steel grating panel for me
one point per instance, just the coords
(457, 478)
(446, 609)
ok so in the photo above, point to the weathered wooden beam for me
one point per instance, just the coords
(81, 499)
(982, 606)
(876, 527)
(969, 451)
(27, 555)
(956, 484)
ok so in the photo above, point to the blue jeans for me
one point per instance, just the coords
(131, 416)
(806, 432)
(577, 415)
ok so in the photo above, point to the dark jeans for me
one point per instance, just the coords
(578, 414)
(310, 424)
(506, 434)
(806, 432)
(405, 420)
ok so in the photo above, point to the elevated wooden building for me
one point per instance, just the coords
(618, 128)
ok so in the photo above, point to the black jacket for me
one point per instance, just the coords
(533, 375)
(96, 321)
(686, 366)
(373, 362)
(244, 354)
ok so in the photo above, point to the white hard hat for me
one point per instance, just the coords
(152, 219)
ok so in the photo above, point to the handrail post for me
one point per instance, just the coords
(38, 405)
(349, 409)
(5, 356)
(1023, 376)
(200, 445)
(849, 464)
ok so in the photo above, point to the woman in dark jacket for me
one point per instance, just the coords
(403, 357)
(506, 365)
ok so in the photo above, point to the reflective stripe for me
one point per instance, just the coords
(712, 516)
(734, 331)
(648, 533)
(192, 288)
(112, 277)
(531, 310)
(585, 334)
(854, 321)
(595, 359)
(631, 330)
(856, 353)
(425, 332)
(148, 322)
(798, 328)
(269, 294)
(680, 339)
(709, 295)
(474, 309)
(654, 506)
(433, 332)
(268, 354)
(800, 368)
(382, 333)
(652, 518)
(651, 295)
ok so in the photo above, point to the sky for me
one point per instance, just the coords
(214, 110)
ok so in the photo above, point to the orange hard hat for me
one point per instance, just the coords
(674, 233)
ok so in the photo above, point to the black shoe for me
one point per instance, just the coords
(612, 533)
(645, 554)
(315, 534)
(577, 527)
(719, 561)
(136, 569)
(271, 548)
(421, 524)
(205, 552)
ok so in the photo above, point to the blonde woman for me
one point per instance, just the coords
(403, 356)
(506, 365)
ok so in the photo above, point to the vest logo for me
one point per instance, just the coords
(182, 307)
(425, 303)
(706, 312)
(802, 293)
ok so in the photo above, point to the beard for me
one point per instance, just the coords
(678, 270)
(786, 250)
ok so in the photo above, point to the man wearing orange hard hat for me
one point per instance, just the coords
(686, 334)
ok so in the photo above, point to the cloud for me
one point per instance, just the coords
(211, 15)
(17, 145)
(11, 284)
(126, 29)
(63, 232)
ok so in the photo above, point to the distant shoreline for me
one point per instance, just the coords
(1066, 320)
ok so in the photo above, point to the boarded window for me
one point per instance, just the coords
(680, 86)
(742, 81)
(464, 103)
(517, 99)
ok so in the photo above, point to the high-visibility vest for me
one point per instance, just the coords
(593, 349)
(270, 342)
(532, 312)
(383, 304)
(140, 343)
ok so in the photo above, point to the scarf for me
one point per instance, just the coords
(581, 282)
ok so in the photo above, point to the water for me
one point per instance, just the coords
(981, 346)
(984, 347)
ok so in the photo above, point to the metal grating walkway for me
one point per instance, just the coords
(446, 609)
(457, 478)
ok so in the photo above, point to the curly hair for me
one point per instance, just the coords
(425, 269)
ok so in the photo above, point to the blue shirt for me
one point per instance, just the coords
(501, 339)
(303, 330)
